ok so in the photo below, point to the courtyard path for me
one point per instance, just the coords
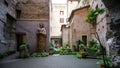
(55, 61)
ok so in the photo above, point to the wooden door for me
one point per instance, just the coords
(41, 42)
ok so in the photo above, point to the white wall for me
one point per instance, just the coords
(55, 21)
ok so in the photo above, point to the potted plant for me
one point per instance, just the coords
(51, 51)
(23, 48)
(82, 50)
(108, 60)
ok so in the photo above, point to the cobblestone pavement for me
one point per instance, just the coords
(55, 61)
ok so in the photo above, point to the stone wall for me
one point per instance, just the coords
(113, 8)
(33, 13)
(29, 27)
(55, 21)
(79, 27)
(7, 7)
(34, 9)
(114, 13)
(65, 35)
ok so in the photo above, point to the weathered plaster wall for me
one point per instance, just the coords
(79, 27)
(4, 10)
(55, 21)
(30, 28)
(33, 13)
(65, 35)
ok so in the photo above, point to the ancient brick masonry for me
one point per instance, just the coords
(7, 25)
(114, 13)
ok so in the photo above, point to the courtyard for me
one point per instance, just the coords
(59, 34)
(53, 61)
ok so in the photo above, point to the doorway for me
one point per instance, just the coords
(84, 39)
(41, 42)
(20, 38)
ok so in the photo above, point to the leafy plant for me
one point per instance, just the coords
(78, 55)
(92, 15)
(23, 46)
(108, 60)
(82, 46)
(92, 42)
(66, 51)
(44, 54)
(40, 55)
(95, 47)
(78, 43)
(24, 53)
(5, 54)
(51, 45)
(34, 55)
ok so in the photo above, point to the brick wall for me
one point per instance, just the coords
(79, 26)
(33, 13)
(7, 7)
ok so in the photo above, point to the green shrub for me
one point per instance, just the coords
(64, 51)
(82, 46)
(78, 55)
(92, 42)
(92, 15)
(44, 54)
(5, 54)
(23, 46)
(78, 43)
(95, 47)
(24, 52)
(26, 55)
(40, 55)
(34, 55)
(108, 60)
(72, 53)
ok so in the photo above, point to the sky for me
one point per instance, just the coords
(59, 1)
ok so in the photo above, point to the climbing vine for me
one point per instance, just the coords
(92, 15)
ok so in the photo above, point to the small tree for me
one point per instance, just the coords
(93, 14)
(91, 18)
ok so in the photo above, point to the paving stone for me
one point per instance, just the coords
(65, 61)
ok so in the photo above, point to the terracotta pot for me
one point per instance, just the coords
(102, 66)
(51, 53)
(83, 55)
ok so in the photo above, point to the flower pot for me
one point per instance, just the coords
(83, 55)
(102, 66)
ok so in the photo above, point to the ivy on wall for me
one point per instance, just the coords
(92, 15)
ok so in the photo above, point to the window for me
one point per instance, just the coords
(61, 20)
(18, 13)
(61, 12)
(9, 27)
